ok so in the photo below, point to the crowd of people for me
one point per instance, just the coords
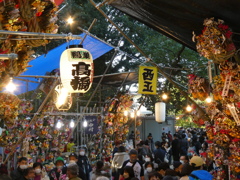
(175, 157)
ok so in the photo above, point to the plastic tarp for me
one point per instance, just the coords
(177, 19)
(46, 63)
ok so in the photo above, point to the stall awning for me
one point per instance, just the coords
(178, 19)
(46, 63)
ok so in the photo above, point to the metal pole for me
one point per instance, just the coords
(135, 128)
(10, 56)
(89, 29)
(39, 76)
(47, 35)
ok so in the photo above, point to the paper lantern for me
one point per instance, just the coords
(62, 98)
(160, 112)
(76, 69)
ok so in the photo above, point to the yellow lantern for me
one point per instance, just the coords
(76, 69)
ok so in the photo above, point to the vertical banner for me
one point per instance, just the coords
(147, 80)
(92, 125)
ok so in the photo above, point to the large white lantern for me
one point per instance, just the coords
(160, 112)
(76, 69)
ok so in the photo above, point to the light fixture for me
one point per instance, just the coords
(72, 124)
(177, 117)
(208, 99)
(164, 96)
(59, 124)
(125, 113)
(11, 86)
(85, 124)
(189, 108)
(70, 20)
(138, 113)
(132, 115)
(63, 94)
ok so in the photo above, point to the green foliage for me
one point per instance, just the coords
(177, 60)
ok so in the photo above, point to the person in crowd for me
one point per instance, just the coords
(159, 153)
(184, 159)
(150, 142)
(186, 171)
(170, 178)
(40, 174)
(5, 177)
(168, 152)
(177, 167)
(28, 174)
(128, 173)
(115, 149)
(99, 171)
(149, 158)
(155, 176)
(70, 145)
(197, 163)
(72, 172)
(170, 138)
(3, 167)
(149, 168)
(132, 138)
(73, 159)
(22, 164)
(175, 147)
(119, 158)
(197, 145)
(141, 151)
(59, 171)
(164, 137)
(135, 164)
(171, 172)
(162, 167)
(102, 178)
(184, 145)
(191, 150)
(83, 163)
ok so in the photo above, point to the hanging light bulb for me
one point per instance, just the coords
(72, 124)
(70, 20)
(164, 96)
(208, 99)
(59, 124)
(62, 96)
(138, 113)
(132, 115)
(189, 108)
(125, 113)
(177, 117)
(85, 124)
(11, 86)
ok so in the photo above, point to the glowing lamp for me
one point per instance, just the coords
(160, 112)
(189, 108)
(11, 86)
(76, 69)
(85, 124)
(72, 124)
(62, 98)
(208, 100)
(70, 20)
(164, 96)
(59, 124)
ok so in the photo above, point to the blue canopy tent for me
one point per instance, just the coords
(46, 63)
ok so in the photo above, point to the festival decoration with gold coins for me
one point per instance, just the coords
(223, 130)
(115, 127)
(23, 15)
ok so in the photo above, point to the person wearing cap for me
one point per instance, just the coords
(198, 173)
(83, 163)
(135, 164)
(59, 171)
(72, 171)
(73, 159)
